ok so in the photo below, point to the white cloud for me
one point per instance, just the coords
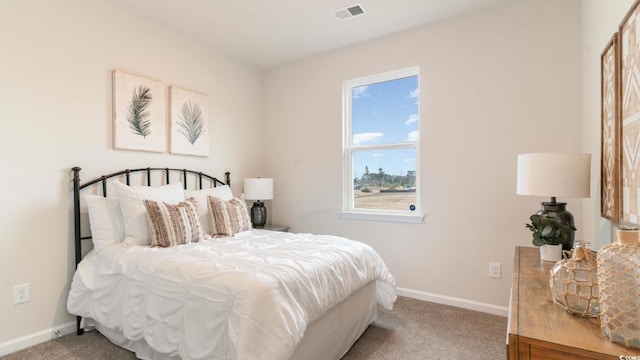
(412, 119)
(414, 94)
(366, 138)
(413, 136)
(378, 154)
(360, 91)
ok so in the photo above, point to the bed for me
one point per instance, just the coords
(177, 273)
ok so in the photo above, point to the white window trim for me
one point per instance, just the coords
(349, 212)
(382, 215)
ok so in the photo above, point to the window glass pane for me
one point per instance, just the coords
(385, 112)
(384, 179)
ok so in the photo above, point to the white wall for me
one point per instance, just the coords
(494, 84)
(55, 112)
(600, 20)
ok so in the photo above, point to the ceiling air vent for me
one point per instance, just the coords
(349, 12)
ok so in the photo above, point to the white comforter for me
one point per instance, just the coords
(245, 297)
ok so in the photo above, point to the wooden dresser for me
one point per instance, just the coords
(540, 329)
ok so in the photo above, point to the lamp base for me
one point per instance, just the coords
(559, 210)
(258, 214)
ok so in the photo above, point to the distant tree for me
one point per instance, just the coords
(411, 177)
(366, 177)
(381, 176)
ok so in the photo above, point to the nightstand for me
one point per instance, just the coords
(275, 228)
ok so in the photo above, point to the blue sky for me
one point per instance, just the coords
(385, 113)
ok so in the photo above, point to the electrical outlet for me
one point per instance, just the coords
(495, 270)
(21, 293)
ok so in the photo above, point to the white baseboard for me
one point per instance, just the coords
(24, 342)
(457, 302)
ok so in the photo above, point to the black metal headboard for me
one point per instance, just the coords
(186, 174)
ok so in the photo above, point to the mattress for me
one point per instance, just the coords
(251, 296)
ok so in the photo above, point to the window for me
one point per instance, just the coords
(381, 146)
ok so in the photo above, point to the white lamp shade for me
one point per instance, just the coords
(554, 174)
(258, 189)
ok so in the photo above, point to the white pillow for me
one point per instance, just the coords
(134, 213)
(220, 192)
(105, 220)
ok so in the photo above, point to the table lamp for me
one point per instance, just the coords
(258, 189)
(555, 175)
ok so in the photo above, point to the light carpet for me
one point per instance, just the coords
(414, 330)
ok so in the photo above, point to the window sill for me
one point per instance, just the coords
(382, 216)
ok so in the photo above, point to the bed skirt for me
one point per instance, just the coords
(328, 337)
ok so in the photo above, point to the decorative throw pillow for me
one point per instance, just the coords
(134, 213)
(221, 192)
(173, 225)
(105, 220)
(228, 217)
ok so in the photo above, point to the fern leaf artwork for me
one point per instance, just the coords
(191, 123)
(139, 116)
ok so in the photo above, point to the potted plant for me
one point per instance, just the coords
(549, 232)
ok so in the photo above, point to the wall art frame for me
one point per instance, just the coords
(139, 113)
(189, 122)
(629, 110)
(611, 131)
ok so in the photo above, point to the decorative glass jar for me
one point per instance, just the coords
(619, 283)
(574, 282)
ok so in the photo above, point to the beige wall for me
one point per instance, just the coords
(600, 20)
(55, 112)
(516, 78)
(493, 84)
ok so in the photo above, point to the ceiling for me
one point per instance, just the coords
(265, 33)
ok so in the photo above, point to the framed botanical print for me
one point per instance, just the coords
(189, 122)
(139, 113)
